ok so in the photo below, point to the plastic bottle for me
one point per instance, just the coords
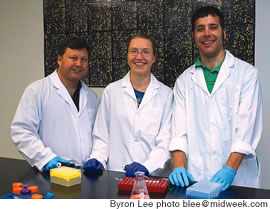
(139, 190)
(25, 194)
(17, 192)
(16, 189)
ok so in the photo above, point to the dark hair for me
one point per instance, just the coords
(145, 36)
(204, 12)
(73, 43)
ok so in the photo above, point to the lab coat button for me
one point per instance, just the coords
(136, 140)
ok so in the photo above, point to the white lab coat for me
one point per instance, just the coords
(124, 133)
(48, 124)
(208, 127)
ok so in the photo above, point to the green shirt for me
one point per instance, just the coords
(209, 75)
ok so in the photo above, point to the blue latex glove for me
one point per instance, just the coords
(53, 163)
(93, 165)
(134, 167)
(180, 177)
(224, 176)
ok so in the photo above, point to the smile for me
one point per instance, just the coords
(207, 42)
(77, 70)
(139, 63)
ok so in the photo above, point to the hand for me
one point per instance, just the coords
(53, 163)
(93, 165)
(134, 167)
(180, 177)
(224, 176)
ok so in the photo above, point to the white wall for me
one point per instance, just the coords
(262, 47)
(22, 61)
(21, 58)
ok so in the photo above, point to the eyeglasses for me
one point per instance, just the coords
(144, 52)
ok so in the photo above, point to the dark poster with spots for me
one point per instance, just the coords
(108, 24)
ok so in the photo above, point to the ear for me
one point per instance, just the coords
(154, 59)
(224, 33)
(59, 60)
(193, 39)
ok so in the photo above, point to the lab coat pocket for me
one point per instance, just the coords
(150, 122)
(195, 167)
(227, 99)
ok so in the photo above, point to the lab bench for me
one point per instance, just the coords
(98, 185)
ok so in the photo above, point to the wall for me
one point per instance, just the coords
(21, 58)
(262, 47)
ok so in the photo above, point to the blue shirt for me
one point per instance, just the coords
(139, 96)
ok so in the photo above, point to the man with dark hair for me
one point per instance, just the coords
(54, 119)
(133, 124)
(217, 116)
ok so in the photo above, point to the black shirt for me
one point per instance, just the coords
(76, 96)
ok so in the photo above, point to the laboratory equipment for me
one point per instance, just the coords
(72, 192)
(17, 184)
(139, 190)
(33, 189)
(25, 194)
(153, 185)
(204, 190)
(25, 186)
(17, 192)
(36, 196)
(24, 191)
(65, 176)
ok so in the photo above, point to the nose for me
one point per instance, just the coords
(139, 55)
(78, 62)
(206, 31)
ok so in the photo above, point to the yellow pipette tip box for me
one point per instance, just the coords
(65, 176)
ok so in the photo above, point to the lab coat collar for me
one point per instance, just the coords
(198, 77)
(126, 85)
(63, 93)
(150, 92)
(225, 71)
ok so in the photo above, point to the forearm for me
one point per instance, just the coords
(235, 160)
(179, 159)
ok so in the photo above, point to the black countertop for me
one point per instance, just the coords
(94, 186)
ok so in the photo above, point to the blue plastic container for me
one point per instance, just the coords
(204, 190)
